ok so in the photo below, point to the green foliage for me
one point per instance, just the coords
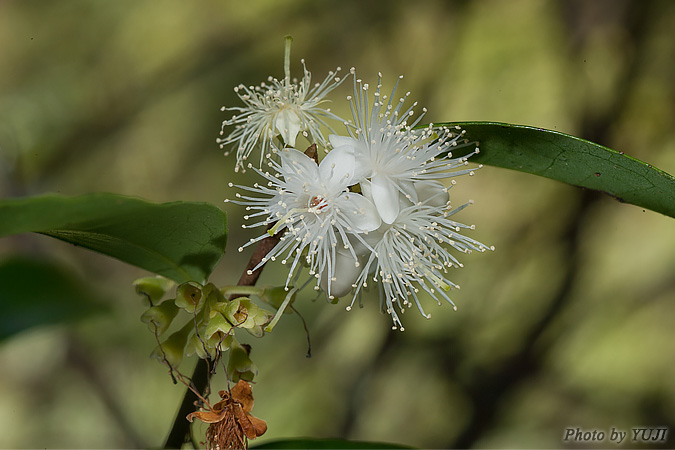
(179, 240)
(571, 160)
(34, 293)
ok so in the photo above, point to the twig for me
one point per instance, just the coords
(304, 324)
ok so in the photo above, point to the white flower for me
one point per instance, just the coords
(394, 230)
(279, 108)
(392, 154)
(410, 254)
(312, 206)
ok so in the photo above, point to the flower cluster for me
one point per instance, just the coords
(372, 211)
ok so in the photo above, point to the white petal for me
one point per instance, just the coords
(433, 192)
(363, 250)
(346, 274)
(288, 123)
(364, 166)
(367, 189)
(359, 211)
(385, 196)
(295, 163)
(338, 141)
(337, 168)
(408, 189)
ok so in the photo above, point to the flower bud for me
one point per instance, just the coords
(230, 310)
(159, 317)
(347, 271)
(288, 123)
(218, 326)
(239, 365)
(260, 318)
(189, 296)
(206, 348)
(152, 289)
(247, 312)
(237, 311)
(173, 347)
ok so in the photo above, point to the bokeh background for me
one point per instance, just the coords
(569, 323)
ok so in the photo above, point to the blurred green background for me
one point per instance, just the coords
(569, 323)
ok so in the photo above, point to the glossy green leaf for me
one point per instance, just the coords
(36, 293)
(181, 241)
(571, 160)
(325, 444)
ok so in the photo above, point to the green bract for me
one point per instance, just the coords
(159, 317)
(218, 326)
(239, 365)
(189, 297)
(173, 347)
(152, 288)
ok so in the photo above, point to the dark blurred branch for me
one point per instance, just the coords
(488, 389)
(360, 381)
(78, 358)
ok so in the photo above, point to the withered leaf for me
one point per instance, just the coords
(231, 424)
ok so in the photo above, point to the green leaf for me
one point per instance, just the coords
(324, 444)
(180, 241)
(571, 160)
(36, 293)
